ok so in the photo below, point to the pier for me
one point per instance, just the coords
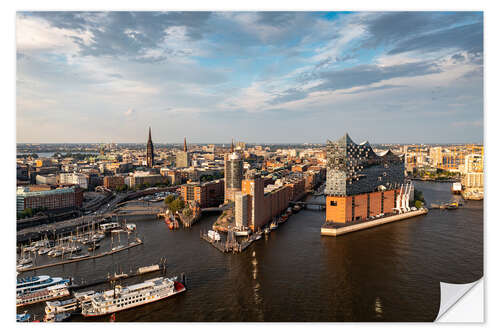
(229, 246)
(344, 229)
(131, 245)
(111, 278)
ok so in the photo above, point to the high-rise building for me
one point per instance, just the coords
(233, 174)
(360, 183)
(150, 158)
(183, 158)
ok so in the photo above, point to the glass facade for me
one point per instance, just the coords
(355, 169)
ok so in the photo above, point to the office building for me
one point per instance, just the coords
(233, 174)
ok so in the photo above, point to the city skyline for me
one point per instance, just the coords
(281, 77)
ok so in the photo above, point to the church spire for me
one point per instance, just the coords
(149, 138)
(185, 145)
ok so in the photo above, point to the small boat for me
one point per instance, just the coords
(213, 235)
(131, 227)
(453, 205)
(94, 246)
(58, 317)
(266, 230)
(24, 261)
(43, 250)
(244, 232)
(80, 256)
(258, 235)
(296, 208)
(23, 267)
(98, 237)
(273, 225)
(23, 318)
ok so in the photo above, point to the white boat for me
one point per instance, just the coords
(37, 283)
(50, 293)
(23, 267)
(43, 250)
(245, 232)
(122, 298)
(213, 235)
(53, 308)
(131, 227)
(107, 227)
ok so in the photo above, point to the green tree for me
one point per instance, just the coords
(418, 204)
(176, 205)
(169, 198)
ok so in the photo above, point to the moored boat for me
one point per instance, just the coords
(121, 298)
(50, 293)
(37, 283)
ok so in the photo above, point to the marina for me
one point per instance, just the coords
(250, 285)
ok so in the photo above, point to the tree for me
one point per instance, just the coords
(418, 204)
(169, 198)
(187, 211)
(176, 205)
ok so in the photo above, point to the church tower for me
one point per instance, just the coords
(150, 159)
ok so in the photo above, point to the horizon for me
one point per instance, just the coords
(389, 77)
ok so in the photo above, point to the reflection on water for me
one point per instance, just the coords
(388, 273)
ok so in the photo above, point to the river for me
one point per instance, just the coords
(388, 273)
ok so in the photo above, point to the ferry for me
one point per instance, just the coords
(50, 293)
(37, 283)
(122, 298)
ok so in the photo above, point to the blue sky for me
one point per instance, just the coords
(253, 76)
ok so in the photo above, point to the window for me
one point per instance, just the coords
(333, 203)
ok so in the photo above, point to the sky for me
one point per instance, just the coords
(260, 77)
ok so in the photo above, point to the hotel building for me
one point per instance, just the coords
(359, 182)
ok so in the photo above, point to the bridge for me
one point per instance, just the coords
(315, 205)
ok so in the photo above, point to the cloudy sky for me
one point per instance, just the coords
(257, 77)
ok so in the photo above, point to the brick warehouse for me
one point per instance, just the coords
(360, 183)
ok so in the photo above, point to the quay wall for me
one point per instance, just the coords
(370, 224)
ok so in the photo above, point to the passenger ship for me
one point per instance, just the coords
(50, 293)
(122, 298)
(37, 283)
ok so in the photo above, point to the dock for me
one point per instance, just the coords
(341, 230)
(232, 246)
(131, 245)
(111, 278)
